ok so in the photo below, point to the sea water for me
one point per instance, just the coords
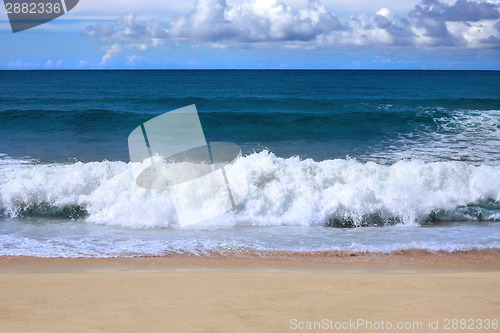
(335, 160)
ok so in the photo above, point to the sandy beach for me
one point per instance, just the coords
(408, 291)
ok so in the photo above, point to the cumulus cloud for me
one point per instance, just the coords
(254, 21)
(23, 65)
(125, 31)
(382, 28)
(110, 52)
(465, 23)
(82, 64)
(133, 58)
(51, 64)
(441, 24)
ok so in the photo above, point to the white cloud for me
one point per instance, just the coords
(110, 52)
(253, 21)
(133, 58)
(438, 23)
(23, 65)
(274, 23)
(125, 31)
(83, 64)
(50, 64)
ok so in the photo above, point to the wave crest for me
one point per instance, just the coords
(282, 191)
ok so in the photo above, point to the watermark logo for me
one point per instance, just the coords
(205, 179)
(26, 14)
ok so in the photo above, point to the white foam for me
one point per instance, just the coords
(467, 135)
(281, 192)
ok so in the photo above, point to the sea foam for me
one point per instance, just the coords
(291, 191)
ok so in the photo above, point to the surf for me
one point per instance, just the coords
(282, 192)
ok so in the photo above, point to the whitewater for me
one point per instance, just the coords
(293, 204)
(282, 191)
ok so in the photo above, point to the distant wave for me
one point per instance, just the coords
(357, 120)
(282, 191)
(241, 102)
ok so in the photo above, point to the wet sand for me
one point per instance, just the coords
(248, 292)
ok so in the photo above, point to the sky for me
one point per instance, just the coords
(261, 34)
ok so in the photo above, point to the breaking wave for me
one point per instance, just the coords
(292, 191)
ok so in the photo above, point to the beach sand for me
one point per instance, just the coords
(252, 292)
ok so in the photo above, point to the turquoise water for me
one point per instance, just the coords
(410, 157)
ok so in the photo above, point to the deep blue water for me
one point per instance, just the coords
(87, 115)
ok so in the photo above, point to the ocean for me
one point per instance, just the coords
(335, 160)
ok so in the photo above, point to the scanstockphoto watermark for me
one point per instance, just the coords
(204, 179)
(354, 325)
(363, 324)
(26, 14)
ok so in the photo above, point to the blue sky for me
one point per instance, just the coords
(331, 34)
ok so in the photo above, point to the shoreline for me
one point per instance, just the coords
(409, 261)
(249, 292)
